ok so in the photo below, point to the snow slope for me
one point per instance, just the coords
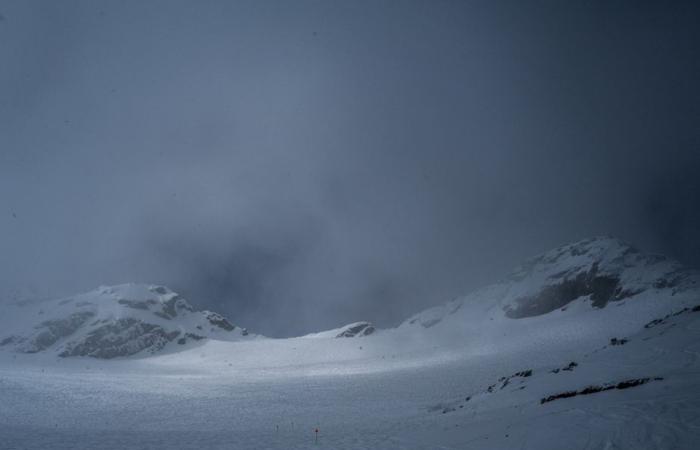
(591, 346)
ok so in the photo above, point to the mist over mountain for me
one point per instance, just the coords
(349, 225)
(300, 166)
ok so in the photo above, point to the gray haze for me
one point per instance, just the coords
(301, 165)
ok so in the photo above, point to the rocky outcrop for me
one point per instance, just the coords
(358, 329)
(594, 389)
(219, 321)
(600, 288)
(51, 331)
(601, 270)
(121, 337)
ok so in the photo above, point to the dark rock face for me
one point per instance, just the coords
(663, 320)
(220, 321)
(169, 308)
(53, 330)
(626, 384)
(569, 368)
(616, 341)
(505, 381)
(121, 337)
(194, 337)
(601, 289)
(358, 330)
(162, 290)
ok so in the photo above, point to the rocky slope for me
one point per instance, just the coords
(351, 330)
(618, 286)
(112, 322)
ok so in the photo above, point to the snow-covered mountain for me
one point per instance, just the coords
(598, 286)
(111, 322)
(593, 345)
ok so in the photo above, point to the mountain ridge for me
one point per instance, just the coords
(114, 321)
(583, 277)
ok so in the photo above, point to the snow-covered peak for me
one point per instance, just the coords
(113, 321)
(603, 269)
(561, 285)
(608, 253)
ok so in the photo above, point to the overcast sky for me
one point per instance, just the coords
(298, 165)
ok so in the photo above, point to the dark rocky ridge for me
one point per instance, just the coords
(594, 389)
(357, 330)
(122, 337)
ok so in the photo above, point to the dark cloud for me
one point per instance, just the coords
(300, 165)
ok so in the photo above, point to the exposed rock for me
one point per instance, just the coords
(662, 320)
(194, 337)
(599, 287)
(654, 322)
(506, 380)
(51, 331)
(122, 337)
(162, 290)
(169, 308)
(524, 373)
(220, 321)
(595, 389)
(569, 367)
(356, 330)
(431, 322)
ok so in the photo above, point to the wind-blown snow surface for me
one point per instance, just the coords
(470, 374)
